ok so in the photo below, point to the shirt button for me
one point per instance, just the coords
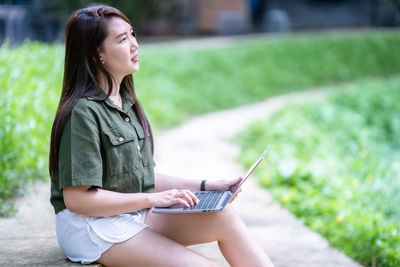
(127, 119)
(121, 139)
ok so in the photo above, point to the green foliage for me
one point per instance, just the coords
(336, 165)
(172, 79)
(29, 86)
(175, 83)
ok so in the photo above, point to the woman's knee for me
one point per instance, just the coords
(228, 214)
(230, 221)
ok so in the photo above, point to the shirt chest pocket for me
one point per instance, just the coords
(123, 150)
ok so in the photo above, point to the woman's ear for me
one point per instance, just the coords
(101, 55)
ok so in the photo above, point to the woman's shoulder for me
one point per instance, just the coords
(85, 112)
(87, 106)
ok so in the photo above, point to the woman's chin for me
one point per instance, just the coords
(135, 68)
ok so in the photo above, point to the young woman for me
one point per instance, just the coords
(102, 168)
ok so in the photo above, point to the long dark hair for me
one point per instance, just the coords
(85, 32)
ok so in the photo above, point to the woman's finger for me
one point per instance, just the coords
(235, 183)
(184, 197)
(237, 180)
(235, 195)
(193, 196)
(187, 197)
(181, 201)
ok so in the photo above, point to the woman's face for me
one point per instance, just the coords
(120, 49)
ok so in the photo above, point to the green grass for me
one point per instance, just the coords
(174, 84)
(177, 84)
(29, 87)
(335, 164)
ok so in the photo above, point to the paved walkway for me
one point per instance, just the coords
(200, 148)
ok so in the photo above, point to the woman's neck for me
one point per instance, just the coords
(116, 85)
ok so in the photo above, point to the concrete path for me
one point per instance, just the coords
(200, 148)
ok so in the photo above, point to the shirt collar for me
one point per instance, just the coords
(127, 100)
(100, 95)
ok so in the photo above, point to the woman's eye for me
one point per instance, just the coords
(123, 39)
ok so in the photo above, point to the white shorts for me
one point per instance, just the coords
(83, 239)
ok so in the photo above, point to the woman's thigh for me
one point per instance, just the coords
(195, 228)
(149, 248)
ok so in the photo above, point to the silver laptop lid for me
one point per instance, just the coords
(251, 170)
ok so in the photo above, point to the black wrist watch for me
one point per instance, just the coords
(203, 185)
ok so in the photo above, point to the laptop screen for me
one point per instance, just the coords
(251, 170)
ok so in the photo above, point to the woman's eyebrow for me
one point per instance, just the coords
(122, 34)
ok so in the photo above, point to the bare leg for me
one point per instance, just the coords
(234, 239)
(149, 248)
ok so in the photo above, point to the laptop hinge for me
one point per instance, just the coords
(224, 200)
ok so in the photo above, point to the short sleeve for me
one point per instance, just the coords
(80, 161)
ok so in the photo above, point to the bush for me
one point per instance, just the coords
(29, 85)
(185, 82)
(336, 166)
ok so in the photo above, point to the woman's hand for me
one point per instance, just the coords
(172, 197)
(224, 185)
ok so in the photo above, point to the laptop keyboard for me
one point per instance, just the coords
(208, 200)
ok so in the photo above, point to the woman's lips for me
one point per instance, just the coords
(135, 58)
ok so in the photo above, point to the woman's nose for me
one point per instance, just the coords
(134, 44)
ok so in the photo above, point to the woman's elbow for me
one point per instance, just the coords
(74, 198)
(72, 205)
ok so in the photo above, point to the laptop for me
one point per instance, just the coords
(211, 201)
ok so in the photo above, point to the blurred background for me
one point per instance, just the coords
(44, 20)
(335, 163)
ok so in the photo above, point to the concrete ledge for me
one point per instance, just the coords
(33, 251)
(29, 237)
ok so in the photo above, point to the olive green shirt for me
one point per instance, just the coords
(101, 146)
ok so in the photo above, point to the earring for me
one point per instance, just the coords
(102, 60)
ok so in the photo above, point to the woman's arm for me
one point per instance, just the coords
(97, 202)
(169, 191)
(166, 182)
